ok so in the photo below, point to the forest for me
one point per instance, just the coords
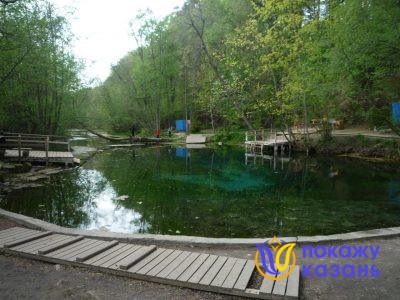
(243, 64)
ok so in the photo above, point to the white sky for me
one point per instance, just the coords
(102, 30)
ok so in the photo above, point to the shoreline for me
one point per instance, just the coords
(160, 239)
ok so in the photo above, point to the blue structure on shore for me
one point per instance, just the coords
(396, 112)
(181, 125)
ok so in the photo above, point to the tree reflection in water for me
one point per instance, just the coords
(207, 192)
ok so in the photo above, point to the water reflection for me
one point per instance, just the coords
(105, 212)
(219, 193)
(83, 199)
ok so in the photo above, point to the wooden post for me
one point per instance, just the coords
(247, 136)
(255, 135)
(262, 135)
(47, 150)
(19, 147)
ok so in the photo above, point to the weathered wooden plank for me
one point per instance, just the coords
(155, 262)
(293, 284)
(138, 255)
(280, 287)
(146, 260)
(108, 253)
(10, 231)
(96, 250)
(61, 244)
(192, 268)
(213, 271)
(64, 251)
(17, 235)
(114, 262)
(46, 243)
(184, 266)
(160, 267)
(73, 254)
(13, 238)
(37, 244)
(108, 256)
(66, 248)
(245, 276)
(26, 239)
(198, 275)
(267, 286)
(234, 274)
(173, 265)
(224, 272)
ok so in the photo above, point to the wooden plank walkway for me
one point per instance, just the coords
(40, 156)
(220, 274)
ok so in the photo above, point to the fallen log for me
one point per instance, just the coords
(129, 139)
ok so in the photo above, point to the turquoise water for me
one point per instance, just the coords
(214, 193)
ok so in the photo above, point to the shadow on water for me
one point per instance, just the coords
(216, 193)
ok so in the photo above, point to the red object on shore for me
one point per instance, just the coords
(157, 132)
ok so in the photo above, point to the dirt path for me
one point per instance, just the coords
(354, 131)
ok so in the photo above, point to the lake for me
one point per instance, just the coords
(216, 193)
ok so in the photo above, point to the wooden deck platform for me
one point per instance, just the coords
(220, 274)
(40, 156)
(196, 139)
(256, 141)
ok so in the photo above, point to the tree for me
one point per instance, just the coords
(38, 75)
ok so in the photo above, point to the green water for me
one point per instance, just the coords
(213, 193)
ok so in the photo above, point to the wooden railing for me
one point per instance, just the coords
(264, 135)
(259, 135)
(23, 142)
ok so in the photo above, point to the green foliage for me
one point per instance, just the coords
(274, 63)
(38, 76)
(231, 135)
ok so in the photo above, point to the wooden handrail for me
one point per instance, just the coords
(44, 140)
(34, 135)
(38, 142)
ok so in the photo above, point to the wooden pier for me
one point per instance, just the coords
(257, 141)
(19, 147)
(200, 271)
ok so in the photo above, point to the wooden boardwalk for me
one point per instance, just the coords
(220, 274)
(40, 156)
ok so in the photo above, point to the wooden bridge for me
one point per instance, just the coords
(201, 271)
(21, 147)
